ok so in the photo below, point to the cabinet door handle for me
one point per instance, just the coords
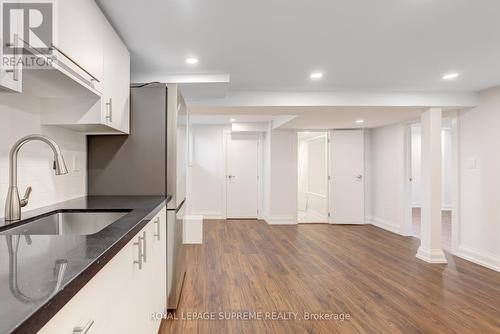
(109, 110)
(93, 78)
(144, 248)
(157, 222)
(139, 249)
(84, 329)
(15, 69)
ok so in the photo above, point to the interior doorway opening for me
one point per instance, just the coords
(447, 182)
(312, 174)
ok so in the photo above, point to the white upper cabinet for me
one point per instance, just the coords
(116, 76)
(88, 90)
(11, 74)
(78, 39)
(86, 87)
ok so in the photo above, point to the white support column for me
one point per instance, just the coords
(430, 249)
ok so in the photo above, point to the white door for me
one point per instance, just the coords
(242, 176)
(347, 172)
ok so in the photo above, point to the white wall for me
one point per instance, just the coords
(387, 177)
(416, 167)
(367, 151)
(283, 177)
(447, 170)
(207, 179)
(266, 171)
(20, 116)
(479, 235)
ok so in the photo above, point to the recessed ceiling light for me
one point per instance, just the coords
(450, 76)
(232, 120)
(316, 75)
(360, 121)
(192, 61)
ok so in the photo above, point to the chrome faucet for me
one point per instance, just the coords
(14, 204)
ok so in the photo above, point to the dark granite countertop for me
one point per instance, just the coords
(29, 299)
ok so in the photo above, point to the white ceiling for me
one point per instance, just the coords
(403, 45)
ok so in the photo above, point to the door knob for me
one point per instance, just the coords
(359, 177)
(231, 176)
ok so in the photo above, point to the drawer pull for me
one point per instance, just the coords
(157, 222)
(144, 248)
(84, 329)
(139, 248)
(109, 110)
(15, 70)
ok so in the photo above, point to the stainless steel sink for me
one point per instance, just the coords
(67, 223)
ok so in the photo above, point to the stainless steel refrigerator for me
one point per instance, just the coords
(177, 164)
(153, 161)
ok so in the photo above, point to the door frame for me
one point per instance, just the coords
(328, 179)
(260, 168)
(455, 182)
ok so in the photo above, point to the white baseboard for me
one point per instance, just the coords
(480, 257)
(207, 214)
(431, 255)
(281, 220)
(384, 224)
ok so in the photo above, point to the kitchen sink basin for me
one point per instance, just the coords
(67, 223)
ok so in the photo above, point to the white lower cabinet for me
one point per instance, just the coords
(121, 297)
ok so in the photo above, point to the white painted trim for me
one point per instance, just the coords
(435, 256)
(384, 224)
(477, 256)
(208, 214)
(281, 220)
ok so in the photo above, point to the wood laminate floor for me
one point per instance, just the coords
(363, 271)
